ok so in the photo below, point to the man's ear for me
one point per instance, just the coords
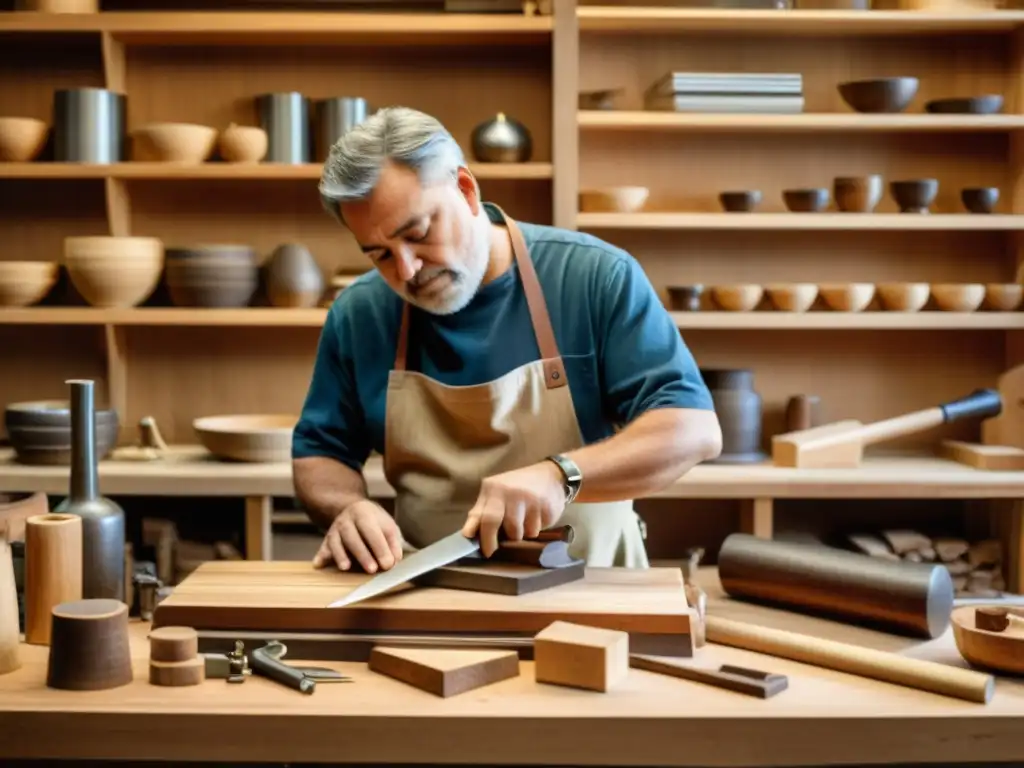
(469, 189)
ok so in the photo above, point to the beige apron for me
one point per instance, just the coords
(441, 441)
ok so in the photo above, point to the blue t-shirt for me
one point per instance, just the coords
(622, 352)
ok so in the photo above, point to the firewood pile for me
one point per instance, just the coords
(976, 567)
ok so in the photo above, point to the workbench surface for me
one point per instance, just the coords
(823, 718)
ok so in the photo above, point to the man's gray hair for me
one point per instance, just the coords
(399, 134)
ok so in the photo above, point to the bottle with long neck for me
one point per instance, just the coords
(103, 524)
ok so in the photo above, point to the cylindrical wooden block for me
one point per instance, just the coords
(908, 598)
(89, 646)
(53, 570)
(173, 644)
(177, 673)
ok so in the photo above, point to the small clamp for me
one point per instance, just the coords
(233, 667)
(266, 661)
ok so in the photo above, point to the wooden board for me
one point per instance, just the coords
(292, 596)
(445, 672)
(502, 578)
(994, 458)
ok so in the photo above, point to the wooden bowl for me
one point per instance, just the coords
(174, 143)
(792, 297)
(806, 200)
(253, 438)
(958, 297)
(22, 139)
(996, 651)
(614, 199)
(857, 194)
(847, 297)
(1003, 297)
(685, 298)
(980, 199)
(742, 201)
(887, 94)
(903, 297)
(114, 271)
(737, 298)
(242, 144)
(989, 104)
(24, 283)
(914, 195)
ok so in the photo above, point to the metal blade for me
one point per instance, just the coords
(436, 555)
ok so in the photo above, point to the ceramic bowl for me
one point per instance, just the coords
(980, 199)
(114, 271)
(847, 297)
(212, 275)
(903, 297)
(737, 298)
(1003, 297)
(958, 297)
(914, 195)
(614, 199)
(989, 104)
(242, 144)
(806, 200)
(857, 194)
(792, 297)
(40, 431)
(685, 298)
(22, 139)
(174, 143)
(24, 283)
(741, 201)
(886, 94)
(250, 437)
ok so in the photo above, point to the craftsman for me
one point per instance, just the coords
(512, 375)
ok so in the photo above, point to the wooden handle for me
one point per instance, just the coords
(843, 657)
(543, 554)
(981, 403)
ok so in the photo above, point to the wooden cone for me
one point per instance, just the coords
(53, 570)
(89, 646)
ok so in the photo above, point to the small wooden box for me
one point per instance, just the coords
(580, 656)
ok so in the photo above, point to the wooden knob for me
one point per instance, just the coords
(177, 673)
(53, 570)
(89, 646)
(173, 644)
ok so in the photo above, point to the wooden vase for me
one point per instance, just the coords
(53, 570)
(89, 646)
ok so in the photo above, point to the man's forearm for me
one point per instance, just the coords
(648, 455)
(325, 487)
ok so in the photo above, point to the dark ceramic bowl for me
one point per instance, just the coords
(40, 431)
(857, 194)
(685, 298)
(989, 104)
(740, 201)
(980, 199)
(212, 276)
(887, 94)
(914, 195)
(806, 200)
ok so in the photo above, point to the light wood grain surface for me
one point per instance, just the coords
(823, 718)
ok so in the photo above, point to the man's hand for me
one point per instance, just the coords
(522, 502)
(363, 532)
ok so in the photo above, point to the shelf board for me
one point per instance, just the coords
(803, 221)
(287, 28)
(628, 20)
(229, 171)
(623, 120)
(314, 318)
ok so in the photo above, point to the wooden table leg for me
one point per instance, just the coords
(258, 539)
(756, 517)
(1015, 542)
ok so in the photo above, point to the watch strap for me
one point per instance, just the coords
(572, 474)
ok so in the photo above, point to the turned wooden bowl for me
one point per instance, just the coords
(24, 283)
(614, 199)
(792, 297)
(242, 144)
(173, 143)
(988, 649)
(1003, 297)
(251, 438)
(212, 275)
(857, 194)
(847, 297)
(914, 195)
(40, 431)
(685, 298)
(958, 297)
(806, 200)
(903, 297)
(887, 94)
(737, 298)
(740, 201)
(22, 139)
(980, 199)
(989, 104)
(114, 271)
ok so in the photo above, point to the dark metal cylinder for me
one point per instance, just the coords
(334, 118)
(89, 126)
(285, 118)
(906, 598)
(83, 441)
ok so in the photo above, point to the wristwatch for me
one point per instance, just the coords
(573, 476)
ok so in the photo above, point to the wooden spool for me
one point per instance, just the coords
(53, 570)
(89, 646)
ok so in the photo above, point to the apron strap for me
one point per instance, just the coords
(554, 369)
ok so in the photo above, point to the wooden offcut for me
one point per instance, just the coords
(170, 644)
(501, 578)
(994, 458)
(751, 682)
(445, 671)
(177, 674)
(581, 657)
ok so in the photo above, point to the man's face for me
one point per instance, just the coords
(427, 242)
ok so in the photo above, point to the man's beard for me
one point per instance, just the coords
(462, 281)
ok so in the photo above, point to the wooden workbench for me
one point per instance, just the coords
(823, 718)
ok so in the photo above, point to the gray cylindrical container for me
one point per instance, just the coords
(285, 118)
(89, 126)
(334, 118)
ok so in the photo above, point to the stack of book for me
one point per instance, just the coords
(726, 92)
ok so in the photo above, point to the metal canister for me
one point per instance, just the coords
(89, 125)
(285, 118)
(334, 118)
